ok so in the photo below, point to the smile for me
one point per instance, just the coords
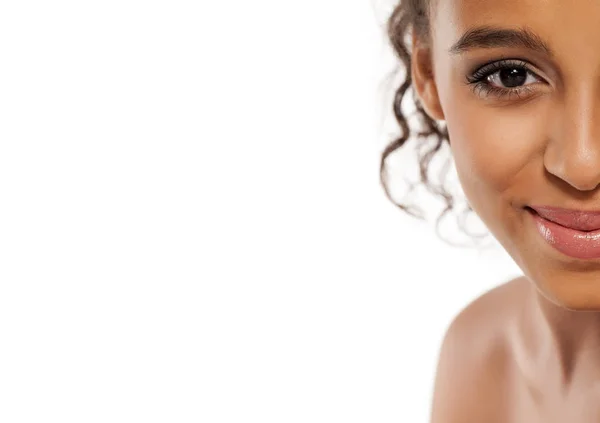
(571, 232)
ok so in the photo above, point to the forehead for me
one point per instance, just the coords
(567, 26)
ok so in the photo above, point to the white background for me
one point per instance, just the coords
(191, 223)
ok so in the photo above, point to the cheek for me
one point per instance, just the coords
(492, 146)
(498, 154)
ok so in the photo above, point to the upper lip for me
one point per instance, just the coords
(580, 220)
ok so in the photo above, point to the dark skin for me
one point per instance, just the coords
(528, 350)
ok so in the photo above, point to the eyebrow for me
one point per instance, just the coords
(493, 37)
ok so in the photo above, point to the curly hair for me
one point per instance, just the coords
(407, 16)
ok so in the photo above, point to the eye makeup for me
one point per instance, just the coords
(485, 80)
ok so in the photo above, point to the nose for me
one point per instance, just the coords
(573, 154)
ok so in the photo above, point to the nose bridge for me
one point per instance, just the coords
(574, 154)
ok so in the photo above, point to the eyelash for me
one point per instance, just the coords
(479, 82)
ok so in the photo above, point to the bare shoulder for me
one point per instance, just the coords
(472, 375)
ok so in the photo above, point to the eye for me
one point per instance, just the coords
(503, 79)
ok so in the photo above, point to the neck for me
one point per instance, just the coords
(567, 338)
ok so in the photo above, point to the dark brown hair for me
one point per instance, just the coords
(408, 17)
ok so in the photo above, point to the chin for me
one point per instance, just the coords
(576, 293)
(572, 283)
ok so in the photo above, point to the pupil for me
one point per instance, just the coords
(513, 77)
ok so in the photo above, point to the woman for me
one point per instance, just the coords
(516, 83)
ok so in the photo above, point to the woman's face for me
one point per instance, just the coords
(531, 136)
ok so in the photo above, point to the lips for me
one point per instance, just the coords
(575, 219)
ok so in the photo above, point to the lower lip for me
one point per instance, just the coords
(573, 243)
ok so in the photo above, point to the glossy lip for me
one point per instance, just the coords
(570, 242)
(579, 220)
